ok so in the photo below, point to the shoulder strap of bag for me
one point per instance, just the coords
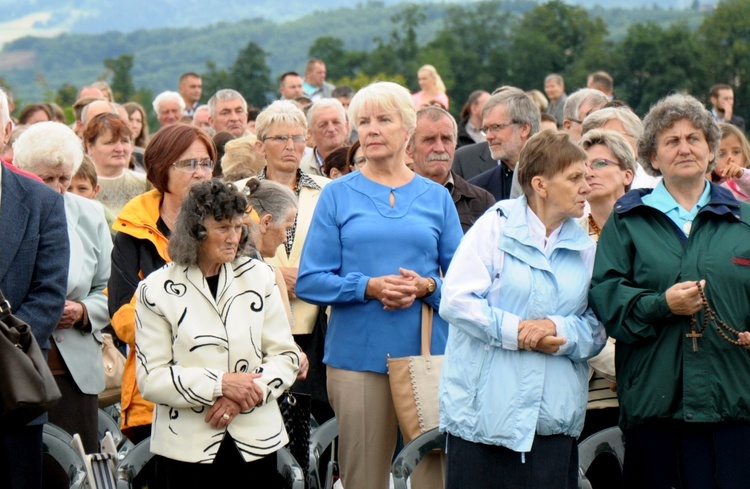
(427, 315)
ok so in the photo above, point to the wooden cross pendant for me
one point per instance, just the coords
(694, 335)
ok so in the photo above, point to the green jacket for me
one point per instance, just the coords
(641, 253)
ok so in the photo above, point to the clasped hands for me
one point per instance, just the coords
(397, 291)
(240, 393)
(539, 335)
(72, 313)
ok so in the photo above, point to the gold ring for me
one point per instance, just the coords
(225, 416)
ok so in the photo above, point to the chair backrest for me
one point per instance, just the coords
(408, 458)
(139, 456)
(65, 455)
(290, 469)
(100, 467)
(320, 439)
(107, 424)
(57, 432)
(133, 463)
(609, 440)
(113, 411)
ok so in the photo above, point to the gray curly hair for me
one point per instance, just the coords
(214, 198)
(664, 115)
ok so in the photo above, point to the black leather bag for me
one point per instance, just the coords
(27, 387)
(295, 409)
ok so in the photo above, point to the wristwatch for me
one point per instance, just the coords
(431, 285)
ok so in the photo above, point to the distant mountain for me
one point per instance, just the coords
(36, 66)
(98, 16)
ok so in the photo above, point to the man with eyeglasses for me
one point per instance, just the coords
(431, 146)
(509, 119)
(580, 104)
(329, 129)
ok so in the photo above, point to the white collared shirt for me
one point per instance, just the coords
(538, 232)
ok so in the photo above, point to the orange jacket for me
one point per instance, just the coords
(137, 219)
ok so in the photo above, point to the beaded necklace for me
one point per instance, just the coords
(593, 225)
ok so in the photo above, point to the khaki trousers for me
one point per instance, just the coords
(368, 430)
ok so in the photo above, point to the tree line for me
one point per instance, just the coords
(493, 43)
(482, 47)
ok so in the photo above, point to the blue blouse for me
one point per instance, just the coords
(355, 234)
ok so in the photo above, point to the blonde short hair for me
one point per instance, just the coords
(279, 112)
(388, 96)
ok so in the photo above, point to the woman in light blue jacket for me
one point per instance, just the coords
(514, 382)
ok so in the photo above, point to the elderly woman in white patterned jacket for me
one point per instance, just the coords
(214, 350)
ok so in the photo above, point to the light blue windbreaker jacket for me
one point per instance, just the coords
(490, 391)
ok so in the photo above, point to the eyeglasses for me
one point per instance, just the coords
(358, 162)
(495, 128)
(601, 163)
(191, 165)
(282, 139)
(576, 121)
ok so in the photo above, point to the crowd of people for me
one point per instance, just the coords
(588, 268)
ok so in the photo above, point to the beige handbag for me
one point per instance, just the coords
(414, 385)
(114, 366)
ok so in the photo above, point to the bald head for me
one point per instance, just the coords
(92, 110)
(90, 91)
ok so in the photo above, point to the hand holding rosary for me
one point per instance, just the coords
(741, 338)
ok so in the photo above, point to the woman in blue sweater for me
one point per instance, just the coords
(378, 243)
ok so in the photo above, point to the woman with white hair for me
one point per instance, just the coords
(53, 152)
(378, 244)
(433, 88)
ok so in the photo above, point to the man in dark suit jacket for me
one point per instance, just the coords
(431, 147)
(34, 255)
(473, 159)
(498, 181)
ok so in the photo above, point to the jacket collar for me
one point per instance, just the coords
(138, 219)
(572, 236)
(722, 202)
(198, 281)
